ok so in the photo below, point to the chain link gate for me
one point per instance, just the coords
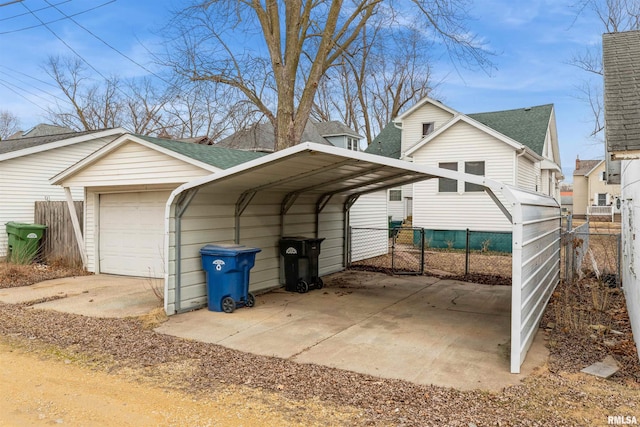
(398, 250)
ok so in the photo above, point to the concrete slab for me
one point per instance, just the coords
(99, 295)
(420, 329)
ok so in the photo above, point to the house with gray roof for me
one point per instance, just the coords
(518, 147)
(260, 137)
(29, 159)
(621, 66)
(126, 187)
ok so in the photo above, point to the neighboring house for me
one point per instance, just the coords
(516, 147)
(621, 66)
(592, 194)
(43, 129)
(566, 198)
(126, 186)
(260, 137)
(27, 163)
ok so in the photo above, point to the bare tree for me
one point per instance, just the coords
(615, 16)
(9, 124)
(276, 53)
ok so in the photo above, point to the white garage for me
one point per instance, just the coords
(127, 184)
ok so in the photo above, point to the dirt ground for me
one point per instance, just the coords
(41, 389)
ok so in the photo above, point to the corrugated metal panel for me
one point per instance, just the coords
(432, 210)
(135, 164)
(24, 180)
(535, 269)
(630, 181)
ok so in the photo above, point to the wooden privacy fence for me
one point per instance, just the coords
(59, 241)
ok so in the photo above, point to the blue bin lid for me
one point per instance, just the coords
(226, 249)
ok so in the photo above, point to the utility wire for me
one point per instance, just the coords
(107, 44)
(27, 75)
(44, 24)
(35, 10)
(35, 87)
(21, 95)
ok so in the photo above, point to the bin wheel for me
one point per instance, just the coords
(319, 283)
(251, 300)
(228, 305)
(302, 287)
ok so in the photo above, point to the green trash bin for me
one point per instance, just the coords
(24, 241)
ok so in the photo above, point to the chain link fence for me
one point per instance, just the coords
(588, 252)
(479, 256)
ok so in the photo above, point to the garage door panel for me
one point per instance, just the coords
(132, 233)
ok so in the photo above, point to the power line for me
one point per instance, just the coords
(22, 96)
(27, 75)
(108, 45)
(44, 24)
(35, 87)
(35, 10)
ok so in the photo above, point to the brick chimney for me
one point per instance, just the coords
(577, 162)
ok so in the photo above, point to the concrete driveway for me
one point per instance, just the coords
(420, 329)
(101, 295)
(416, 328)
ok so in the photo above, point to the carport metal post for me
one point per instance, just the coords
(181, 206)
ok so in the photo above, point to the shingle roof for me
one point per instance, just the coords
(621, 66)
(219, 157)
(585, 167)
(527, 126)
(387, 143)
(42, 129)
(10, 145)
(334, 127)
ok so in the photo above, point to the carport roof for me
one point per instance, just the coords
(326, 171)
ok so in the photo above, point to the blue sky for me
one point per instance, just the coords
(534, 41)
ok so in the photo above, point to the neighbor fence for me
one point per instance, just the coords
(477, 255)
(59, 241)
(589, 252)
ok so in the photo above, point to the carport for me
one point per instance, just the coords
(308, 190)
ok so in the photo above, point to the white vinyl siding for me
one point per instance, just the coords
(210, 219)
(527, 177)
(462, 143)
(412, 125)
(133, 164)
(25, 180)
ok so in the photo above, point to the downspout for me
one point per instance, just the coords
(76, 226)
(181, 207)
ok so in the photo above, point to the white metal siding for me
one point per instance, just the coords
(25, 180)
(134, 164)
(630, 183)
(535, 269)
(454, 211)
(210, 219)
(370, 211)
(412, 125)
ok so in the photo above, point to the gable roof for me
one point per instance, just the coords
(586, 167)
(12, 148)
(387, 143)
(527, 126)
(208, 157)
(42, 129)
(219, 157)
(621, 66)
(419, 104)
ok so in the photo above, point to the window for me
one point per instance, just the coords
(352, 144)
(427, 128)
(603, 176)
(602, 199)
(475, 168)
(395, 195)
(447, 185)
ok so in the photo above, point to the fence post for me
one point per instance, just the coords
(466, 261)
(619, 279)
(422, 251)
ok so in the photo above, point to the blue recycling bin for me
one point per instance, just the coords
(227, 269)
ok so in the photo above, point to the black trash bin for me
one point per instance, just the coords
(300, 256)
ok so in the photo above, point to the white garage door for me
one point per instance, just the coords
(132, 233)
